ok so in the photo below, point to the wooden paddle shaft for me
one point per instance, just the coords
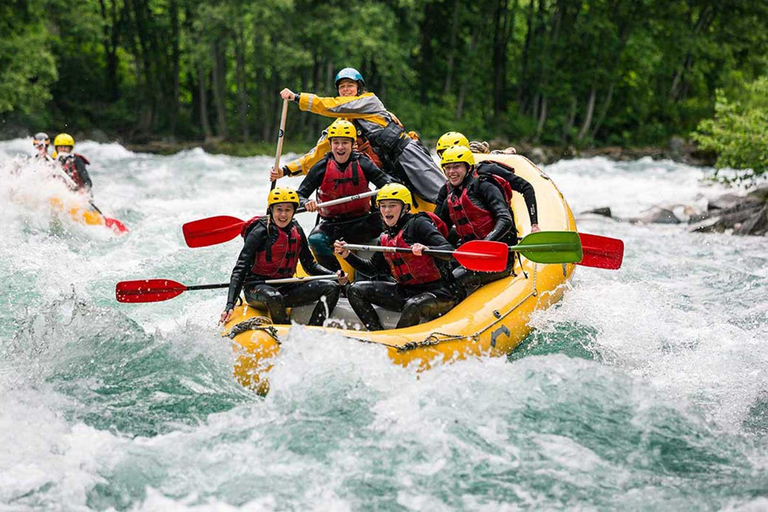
(280, 137)
(342, 200)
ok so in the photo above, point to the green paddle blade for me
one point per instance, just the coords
(551, 247)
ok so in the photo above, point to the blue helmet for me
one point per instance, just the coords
(350, 73)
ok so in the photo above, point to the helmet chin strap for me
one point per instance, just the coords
(406, 209)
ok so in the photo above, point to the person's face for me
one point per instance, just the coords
(347, 87)
(456, 172)
(63, 149)
(390, 210)
(282, 214)
(42, 149)
(341, 148)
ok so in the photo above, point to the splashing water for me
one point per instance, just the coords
(643, 389)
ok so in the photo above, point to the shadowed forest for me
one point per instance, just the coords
(581, 72)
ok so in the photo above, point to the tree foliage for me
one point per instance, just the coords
(739, 133)
(556, 71)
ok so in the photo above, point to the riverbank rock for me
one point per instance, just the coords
(678, 150)
(656, 215)
(604, 211)
(744, 215)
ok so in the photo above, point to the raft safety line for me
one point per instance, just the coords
(433, 339)
(256, 323)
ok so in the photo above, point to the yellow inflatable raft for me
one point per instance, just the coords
(84, 213)
(492, 321)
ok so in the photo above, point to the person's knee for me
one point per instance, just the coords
(331, 290)
(320, 243)
(272, 298)
(355, 292)
(419, 305)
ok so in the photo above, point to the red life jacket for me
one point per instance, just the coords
(278, 259)
(471, 221)
(407, 268)
(71, 170)
(337, 184)
(437, 221)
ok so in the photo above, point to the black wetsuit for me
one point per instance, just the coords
(360, 229)
(517, 183)
(418, 302)
(276, 298)
(487, 194)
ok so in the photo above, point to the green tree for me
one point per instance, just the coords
(27, 67)
(739, 133)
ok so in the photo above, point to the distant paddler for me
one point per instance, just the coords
(41, 143)
(380, 134)
(73, 164)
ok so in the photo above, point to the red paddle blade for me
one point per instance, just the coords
(148, 290)
(115, 225)
(483, 256)
(211, 231)
(601, 251)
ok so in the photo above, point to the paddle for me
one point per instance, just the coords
(280, 137)
(112, 223)
(157, 290)
(223, 228)
(601, 251)
(479, 255)
(550, 247)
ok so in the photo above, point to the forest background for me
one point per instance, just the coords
(557, 72)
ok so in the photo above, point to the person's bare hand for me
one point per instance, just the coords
(340, 248)
(275, 174)
(418, 248)
(287, 94)
(311, 206)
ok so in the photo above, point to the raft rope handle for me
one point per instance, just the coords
(256, 323)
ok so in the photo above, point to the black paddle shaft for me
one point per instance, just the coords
(208, 286)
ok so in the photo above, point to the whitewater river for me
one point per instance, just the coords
(644, 389)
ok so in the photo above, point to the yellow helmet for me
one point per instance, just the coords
(342, 128)
(449, 139)
(395, 191)
(282, 195)
(63, 139)
(455, 154)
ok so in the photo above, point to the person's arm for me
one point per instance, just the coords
(254, 242)
(303, 164)
(491, 167)
(441, 206)
(365, 106)
(372, 173)
(442, 195)
(425, 233)
(529, 194)
(493, 200)
(312, 181)
(81, 169)
(308, 262)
